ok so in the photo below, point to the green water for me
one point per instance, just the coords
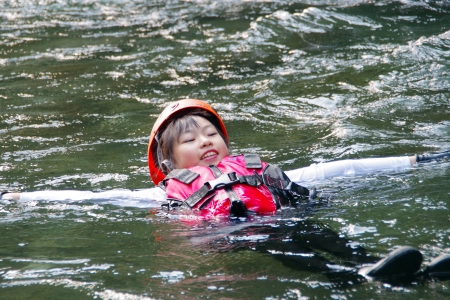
(81, 83)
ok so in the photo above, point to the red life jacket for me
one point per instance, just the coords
(237, 186)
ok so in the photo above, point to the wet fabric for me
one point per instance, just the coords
(227, 199)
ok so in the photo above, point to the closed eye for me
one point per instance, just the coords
(188, 141)
(186, 138)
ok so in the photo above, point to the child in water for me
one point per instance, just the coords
(189, 158)
(182, 116)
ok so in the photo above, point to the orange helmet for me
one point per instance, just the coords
(178, 108)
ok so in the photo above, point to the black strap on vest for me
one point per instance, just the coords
(237, 207)
(252, 161)
(183, 175)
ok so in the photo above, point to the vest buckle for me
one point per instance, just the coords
(222, 181)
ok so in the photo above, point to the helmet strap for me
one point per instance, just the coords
(166, 166)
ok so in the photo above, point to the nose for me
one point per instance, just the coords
(205, 141)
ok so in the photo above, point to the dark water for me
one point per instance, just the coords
(81, 83)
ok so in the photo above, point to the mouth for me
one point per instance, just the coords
(209, 154)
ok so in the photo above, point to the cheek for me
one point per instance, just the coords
(225, 147)
(182, 156)
(176, 153)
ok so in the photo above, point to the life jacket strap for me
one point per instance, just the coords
(252, 161)
(237, 207)
(184, 175)
(208, 187)
(197, 196)
(223, 181)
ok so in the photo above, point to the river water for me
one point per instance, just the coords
(82, 81)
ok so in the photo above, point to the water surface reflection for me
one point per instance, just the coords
(81, 83)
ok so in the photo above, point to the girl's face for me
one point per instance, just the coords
(199, 146)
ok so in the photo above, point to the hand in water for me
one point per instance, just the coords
(432, 156)
(10, 196)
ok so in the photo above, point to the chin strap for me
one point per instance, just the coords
(432, 156)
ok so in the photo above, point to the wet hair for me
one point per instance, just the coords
(177, 124)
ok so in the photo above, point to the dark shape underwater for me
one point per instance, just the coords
(310, 246)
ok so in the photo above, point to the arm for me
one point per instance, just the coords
(152, 197)
(350, 167)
